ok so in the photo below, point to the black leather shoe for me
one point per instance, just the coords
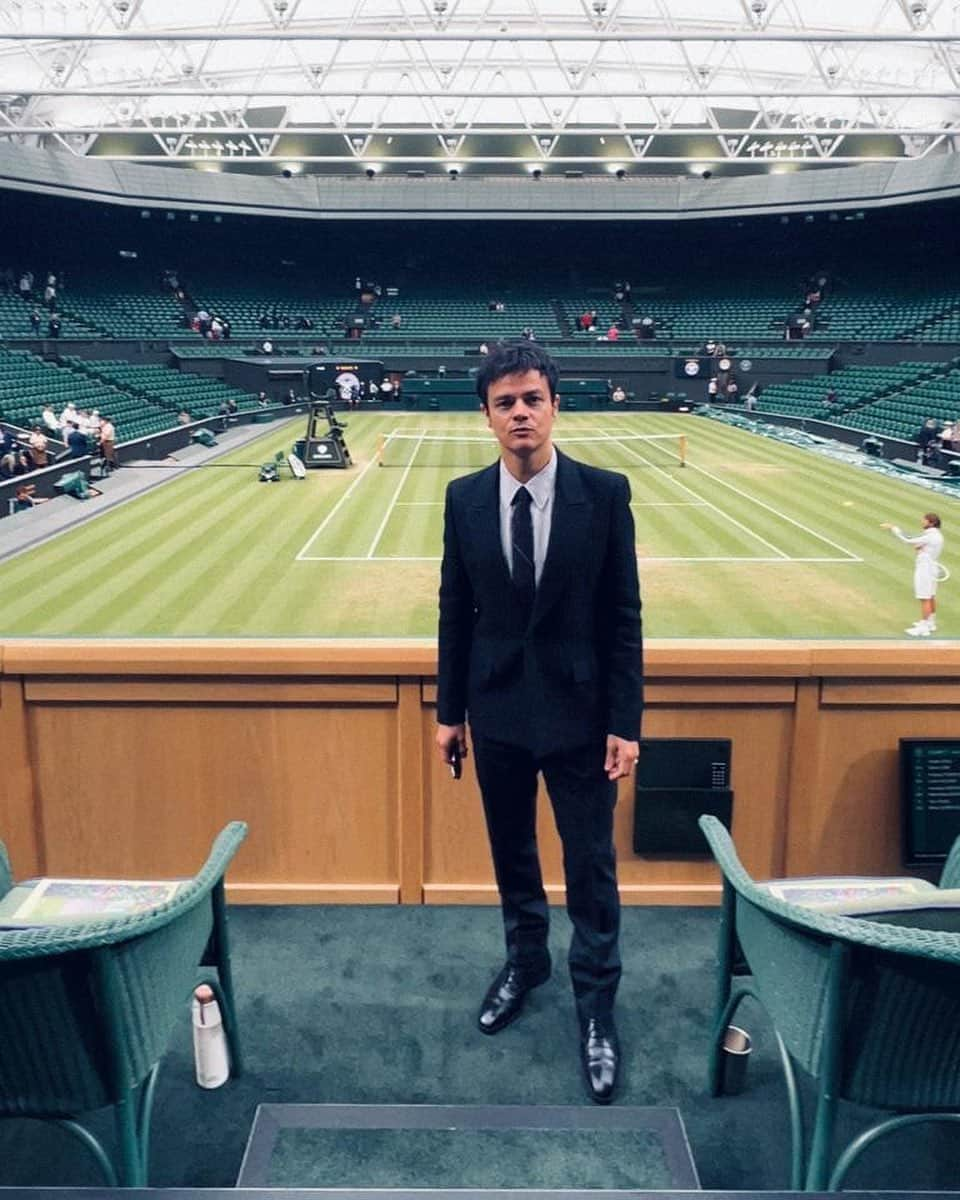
(503, 1002)
(600, 1056)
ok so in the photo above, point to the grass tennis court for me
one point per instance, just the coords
(752, 538)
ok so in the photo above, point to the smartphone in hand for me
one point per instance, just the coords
(456, 761)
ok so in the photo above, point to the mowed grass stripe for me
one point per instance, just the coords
(214, 551)
(844, 502)
(133, 569)
(136, 533)
(126, 545)
(772, 528)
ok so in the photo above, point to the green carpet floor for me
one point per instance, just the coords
(377, 1006)
(480, 1158)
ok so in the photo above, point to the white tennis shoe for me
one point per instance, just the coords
(920, 629)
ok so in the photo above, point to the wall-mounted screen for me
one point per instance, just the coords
(929, 797)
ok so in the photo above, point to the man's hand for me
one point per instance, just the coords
(449, 736)
(621, 757)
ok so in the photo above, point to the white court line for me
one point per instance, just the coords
(302, 554)
(726, 516)
(396, 495)
(849, 554)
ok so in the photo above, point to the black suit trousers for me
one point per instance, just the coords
(583, 801)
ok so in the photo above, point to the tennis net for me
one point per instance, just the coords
(618, 451)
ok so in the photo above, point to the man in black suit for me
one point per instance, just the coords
(540, 646)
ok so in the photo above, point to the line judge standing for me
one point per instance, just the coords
(540, 648)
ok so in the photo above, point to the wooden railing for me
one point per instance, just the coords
(122, 758)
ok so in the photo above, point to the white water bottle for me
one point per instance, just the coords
(210, 1053)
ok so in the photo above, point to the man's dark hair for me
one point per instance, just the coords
(933, 519)
(515, 359)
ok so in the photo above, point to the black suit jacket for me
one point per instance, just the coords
(574, 673)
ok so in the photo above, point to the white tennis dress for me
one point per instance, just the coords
(926, 570)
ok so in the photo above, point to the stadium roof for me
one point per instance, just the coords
(335, 86)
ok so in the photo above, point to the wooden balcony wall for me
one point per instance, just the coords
(123, 758)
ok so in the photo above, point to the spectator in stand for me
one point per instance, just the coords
(830, 398)
(108, 442)
(67, 418)
(38, 447)
(950, 436)
(262, 400)
(77, 442)
(928, 442)
(618, 395)
(613, 333)
(232, 405)
(35, 321)
(50, 297)
(527, 334)
(750, 399)
(25, 286)
(289, 397)
(225, 329)
(53, 326)
(50, 422)
(483, 349)
(712, 388)
(733, 392)
(183, 417)
(396, 321)
(25, 498)
(386, 388)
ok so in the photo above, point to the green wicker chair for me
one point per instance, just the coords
(86, 1010)
(868, 1010)
(950, 876)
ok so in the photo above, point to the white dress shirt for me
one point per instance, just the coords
(541, 488)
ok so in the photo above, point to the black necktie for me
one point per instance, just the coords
(521, 534)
